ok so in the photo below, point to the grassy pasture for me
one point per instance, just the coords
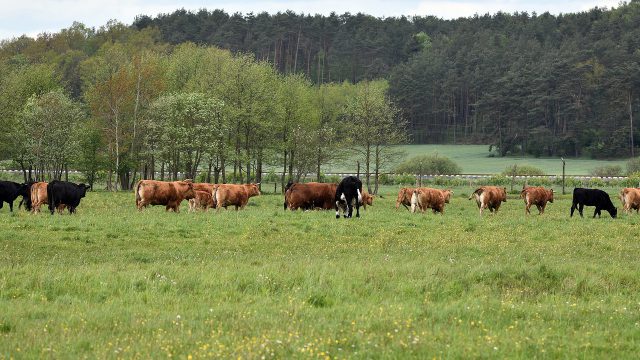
(110, 282)
(474, 159)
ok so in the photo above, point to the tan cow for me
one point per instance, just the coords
(404, 198)
(538, 196)
(39, 197)
(630, 198)
(234, 195)
(202, 200)
(428, 198)
(170, 194)
(489, 197)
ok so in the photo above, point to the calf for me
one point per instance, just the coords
(367, 199)
(404, 198)
(592, 197)
(234, 195)
(630, 198)
(169, 194)
(10, 190)
(65, 193)
(427, 198)
(202, 200)
(538, 196)
(348, 192)
(309, 196)
(489, 197)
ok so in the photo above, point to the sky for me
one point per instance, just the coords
(32, 17)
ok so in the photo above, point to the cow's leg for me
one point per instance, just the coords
(358, 206)
(542, 208)
(526, 209)
(580, 208)
(596, 212)
(573, 207)
(1, 204)
(10, 205)
(337, 209)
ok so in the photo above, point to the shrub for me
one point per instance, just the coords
(522, 170)
(429, 165)
(607, 170)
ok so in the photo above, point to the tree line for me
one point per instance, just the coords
(541, 84)
(122, 104)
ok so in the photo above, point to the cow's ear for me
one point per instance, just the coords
(552, 191)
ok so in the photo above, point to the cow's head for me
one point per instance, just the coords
(613, 212)
(253, 189)
(447, 195)
(83, 189)
(550, 196)
(187, 188)
(504, 194)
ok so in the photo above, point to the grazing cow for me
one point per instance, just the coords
(65, 193)
(630, 198)
(489, 197)
(234, 195)
(10, 190)
(425, 198)
(538, 196)
(202, 200)
(367, 199)
(447, 194)
(348, 192)
(592, 197)
(167, 193)
(309, 196)
(404, 198)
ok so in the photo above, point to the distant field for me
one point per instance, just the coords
(111, 282)
(474, 159)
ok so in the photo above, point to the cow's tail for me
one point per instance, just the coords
(523, 193)
(478, 192)
(138, 198)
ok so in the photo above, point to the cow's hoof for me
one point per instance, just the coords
(357, 215)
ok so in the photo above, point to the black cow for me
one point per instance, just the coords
(10, 190)
(349, 191)
(67, 193)
(592, 197)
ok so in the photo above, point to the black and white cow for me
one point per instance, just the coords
(349, 191)
(67, 193)
(10, 190)
(592, 197)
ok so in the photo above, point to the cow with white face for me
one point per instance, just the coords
(348, 193)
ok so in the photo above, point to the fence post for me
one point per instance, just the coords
(563, 165)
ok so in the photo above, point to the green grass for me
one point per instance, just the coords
(110, 282)
(474, 159)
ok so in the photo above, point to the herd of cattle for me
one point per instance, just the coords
(344, 196)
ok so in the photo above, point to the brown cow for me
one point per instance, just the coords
(235, 195)
(490, 197)
(309, 196)
(404, 198)
(367, 199)
(202, 200)
(630, 198)
(170, 194)
(427, 198)
(39, 197)
(538, 196)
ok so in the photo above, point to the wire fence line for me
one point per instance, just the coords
(424, 176)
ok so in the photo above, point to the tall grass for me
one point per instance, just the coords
(112, 282)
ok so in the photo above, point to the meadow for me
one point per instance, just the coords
(111, 282)
(475, 159)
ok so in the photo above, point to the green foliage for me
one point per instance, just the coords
(428, 165)
(607, 170)
(516, 169)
